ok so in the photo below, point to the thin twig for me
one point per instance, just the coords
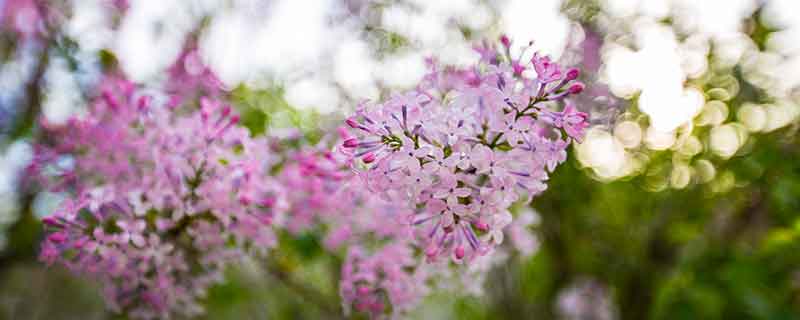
(308, 293)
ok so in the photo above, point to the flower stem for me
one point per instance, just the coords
(308, 294)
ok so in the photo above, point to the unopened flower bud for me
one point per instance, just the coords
(352, 123)
(572, 74)
(144, 102)
(350, 143)
(505, 41)
(369, 158)
(57, 237)
(363, 290)
(576, 88)
(50, 221)
(482, 226)
(460, 252)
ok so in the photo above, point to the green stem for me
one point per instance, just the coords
(494, 141)
(308, 294)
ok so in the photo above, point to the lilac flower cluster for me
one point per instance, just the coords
(381, 271)
(374, 283)
(467, 143)
(167, 192)
(426, 164)
(165, 198)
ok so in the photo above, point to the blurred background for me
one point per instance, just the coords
(683, 201)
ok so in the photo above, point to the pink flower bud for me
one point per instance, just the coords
(50, 221)
(350, 143)
(80, 243)
(518, 68)
(505, 41)
(482, 226)
(460, 252)
(576, 88)
(144, 102)
(363, 290)
(572, 74)
(369, 157)
(110, 99)
(57, 237)
(352, 123)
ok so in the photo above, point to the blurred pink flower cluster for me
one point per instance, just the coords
(168, 191)
(165, 197)
(381, 271)
(23, 17)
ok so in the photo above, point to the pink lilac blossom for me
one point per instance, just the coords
(418, 186)
(384, 272)
(466, 144)
(23, 17)
(190, 77)
(374, 283)
(165, 197)
(522, 237)
(381, 272)
(315, 178)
